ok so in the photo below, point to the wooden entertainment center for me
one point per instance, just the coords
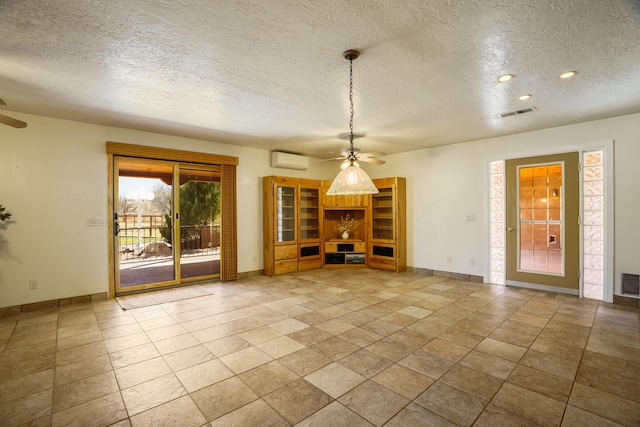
(301, 226)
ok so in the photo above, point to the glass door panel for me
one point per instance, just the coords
(382, 207)
(285, 214)
(199, 222)
(309, 214)
(541, 249)
(143, 239)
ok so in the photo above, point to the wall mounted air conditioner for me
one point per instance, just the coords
(289, 161)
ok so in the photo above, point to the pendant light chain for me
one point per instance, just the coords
(351, 105)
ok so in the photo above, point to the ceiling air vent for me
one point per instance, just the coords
(516, 113)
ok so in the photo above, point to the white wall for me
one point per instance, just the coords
(53, 175)
(446, 183)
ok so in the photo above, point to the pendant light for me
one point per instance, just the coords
(351, 180)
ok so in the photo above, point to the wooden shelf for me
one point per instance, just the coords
(385, 228)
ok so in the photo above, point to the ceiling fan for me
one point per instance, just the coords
(10, 121)
(351, 154)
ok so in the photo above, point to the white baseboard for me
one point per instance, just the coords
(555, 289)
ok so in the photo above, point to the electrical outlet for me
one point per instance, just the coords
(449, 259)
(33, 285)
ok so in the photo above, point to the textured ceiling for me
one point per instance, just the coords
(270, 74)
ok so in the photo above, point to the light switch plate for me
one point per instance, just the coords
(95, 221)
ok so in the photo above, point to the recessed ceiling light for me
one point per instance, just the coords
(524, 97)
(567, 75)
(505, 77)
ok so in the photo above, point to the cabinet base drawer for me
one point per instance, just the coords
(344, 246)
(285, 252)
(382, 264)
(287, 266)
(309, 264)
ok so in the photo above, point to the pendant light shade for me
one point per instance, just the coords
(351, 180)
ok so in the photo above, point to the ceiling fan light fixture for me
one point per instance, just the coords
(348, 163)
(351, 180)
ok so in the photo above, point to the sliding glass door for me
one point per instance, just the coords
(166, 223)
(199, 223)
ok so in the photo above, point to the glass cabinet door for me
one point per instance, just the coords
(285, 214)
(309, 213)
(382, 208)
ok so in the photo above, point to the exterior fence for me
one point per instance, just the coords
(140, 244)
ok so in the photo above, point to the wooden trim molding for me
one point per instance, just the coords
(143, 151)
(229, 241)
(110, 225)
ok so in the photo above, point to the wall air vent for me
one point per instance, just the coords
(630, 284)
(516, 113)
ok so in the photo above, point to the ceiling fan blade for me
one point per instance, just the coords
(2, 102)
(374, 154)
(10, 121)
(370, 160)
(328, 160)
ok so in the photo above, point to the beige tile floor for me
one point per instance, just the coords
(327, 348)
